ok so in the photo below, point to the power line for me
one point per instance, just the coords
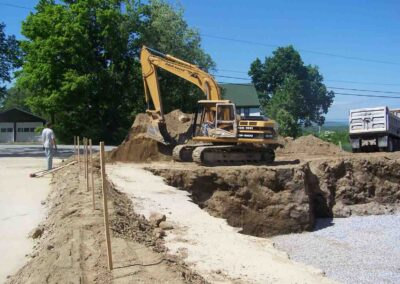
(231, 77)
(15, 6)
(303, 50)
(340, 94)
(335, 88)
(233, 71)
(362, 83)
(328, 80)
(369, 96)
(361, 90)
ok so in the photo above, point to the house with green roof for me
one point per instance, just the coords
(244, 96)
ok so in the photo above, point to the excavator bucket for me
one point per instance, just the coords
(157, 130)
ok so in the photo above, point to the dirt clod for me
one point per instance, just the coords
(159, 233)
(156, 218)
(166, 225)
(37, 232)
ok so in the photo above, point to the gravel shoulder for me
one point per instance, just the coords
(351, 250)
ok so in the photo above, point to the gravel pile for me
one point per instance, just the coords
(351, 250)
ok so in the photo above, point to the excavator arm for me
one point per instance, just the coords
(151, 60)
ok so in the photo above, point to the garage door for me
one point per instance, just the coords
(26, 131)
(6, 132)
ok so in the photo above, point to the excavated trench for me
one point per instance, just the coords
(266, 201)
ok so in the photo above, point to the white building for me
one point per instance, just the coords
(17, 125)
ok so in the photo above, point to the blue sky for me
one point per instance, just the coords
(361, 29)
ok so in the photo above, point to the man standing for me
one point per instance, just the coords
(49, 144)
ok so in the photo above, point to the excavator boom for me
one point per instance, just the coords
(151, 60)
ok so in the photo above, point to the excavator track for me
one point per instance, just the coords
(183, 153)
(231, 154)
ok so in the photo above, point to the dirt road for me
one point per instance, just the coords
(20, 209)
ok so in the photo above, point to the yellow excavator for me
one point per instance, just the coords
(219, 135)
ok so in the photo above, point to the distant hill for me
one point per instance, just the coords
(335, 123)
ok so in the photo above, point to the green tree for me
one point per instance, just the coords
(290, 92)
(15, 97)
(9, 59)
(82, 64)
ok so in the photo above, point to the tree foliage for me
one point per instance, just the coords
(15, 97)
(9, 59)
(82, 66)
(290, 92)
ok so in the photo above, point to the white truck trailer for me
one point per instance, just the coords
(374, 129)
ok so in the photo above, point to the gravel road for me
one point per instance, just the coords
(350, 250)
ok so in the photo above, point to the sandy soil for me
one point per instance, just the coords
(71, 245)
(20, 209)
(209, 245)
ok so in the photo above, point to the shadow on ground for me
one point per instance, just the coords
(322, 223)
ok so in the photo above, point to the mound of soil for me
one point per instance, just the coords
(138, 146)
(309, 145)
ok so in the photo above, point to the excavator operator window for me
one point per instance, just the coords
(225, 125)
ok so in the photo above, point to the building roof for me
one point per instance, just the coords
(19, 115)
(243, 95)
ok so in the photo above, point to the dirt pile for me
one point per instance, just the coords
(309, 145)
(70, 244)
(139, 147)
(267, 201)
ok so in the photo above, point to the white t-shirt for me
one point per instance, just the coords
(47, 137)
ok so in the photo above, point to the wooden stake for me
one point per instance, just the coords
(75, 148)
(79, 154)
(84, 156)
(104, 190)
(91, 172)
(87, 164)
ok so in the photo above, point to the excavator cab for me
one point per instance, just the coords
(216, 119)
